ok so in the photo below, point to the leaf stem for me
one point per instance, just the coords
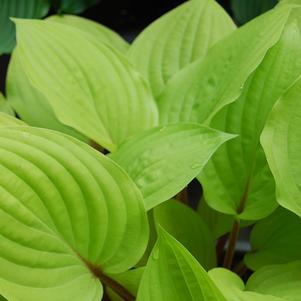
(220, 246)
(109, 282)
(228, 260)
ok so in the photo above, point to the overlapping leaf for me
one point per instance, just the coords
(172, 273)
(237, 180)
(283, 281)
(67, 213)
(98, 31)
(178, 38)
(31, 105)
(200, 90)
(163, 160)
(188, 228)
(282, 145)
(90, 87)
(234, 288)
(5, 106)
(275, 240)
(8, 120)
(21, 9)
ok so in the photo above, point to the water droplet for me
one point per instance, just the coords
(196, 165)
(156, 255)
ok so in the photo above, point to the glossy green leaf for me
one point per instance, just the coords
(8, 120)
(90, 87)
(282, 145)
(275, 240)
(172, 273)
(178, 38)
(163, 160)
(237, 179)
(189, 229)
(130, 280)
(234, 288)
(247, 10)
(201, 89)
(31, 105)
(282, 281)
(75, 6)
(98, 31)
(67, 213)
(5, 106)
(34, 9)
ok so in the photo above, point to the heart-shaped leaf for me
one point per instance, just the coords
(98, 31)
(178, 38)
(237, 179)
(34, 9)
(282, 145)
(69, 215)
(90, 87)
(283, 281)
(275, 240)
(201, 89)
(172, 273)
(163, 160)
(189, 229)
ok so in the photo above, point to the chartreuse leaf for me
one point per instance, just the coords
(282, 145)
(163, 160)
(246, 10)
(5, 106)
(75, 6)
(172, 273)
(130, 280)
(275, 240)
(189, 229)
(97, 30)
(178, 38)
(8, 120)
(282, 281)
(34, 9)
(234, 288)
(67, 213)
(237, 179)
(31, 105)
(201, 89)
(90, 87)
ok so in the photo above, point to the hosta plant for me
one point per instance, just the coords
(100, 140)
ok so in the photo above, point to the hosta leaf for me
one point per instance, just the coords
(67, 213)
(234, 288)
(188, 228)
(75, 6)
(282, 281)
(97, 30)
(172, 273)
(31, 105)
(5, 106)
(130, 280)
(237, 179)
(90, 87)
(282, 145)
(8, 120)
(163, 160)
(246, 10)
(178, 38)
(275, 240)
(201, 89)
(34, 9)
